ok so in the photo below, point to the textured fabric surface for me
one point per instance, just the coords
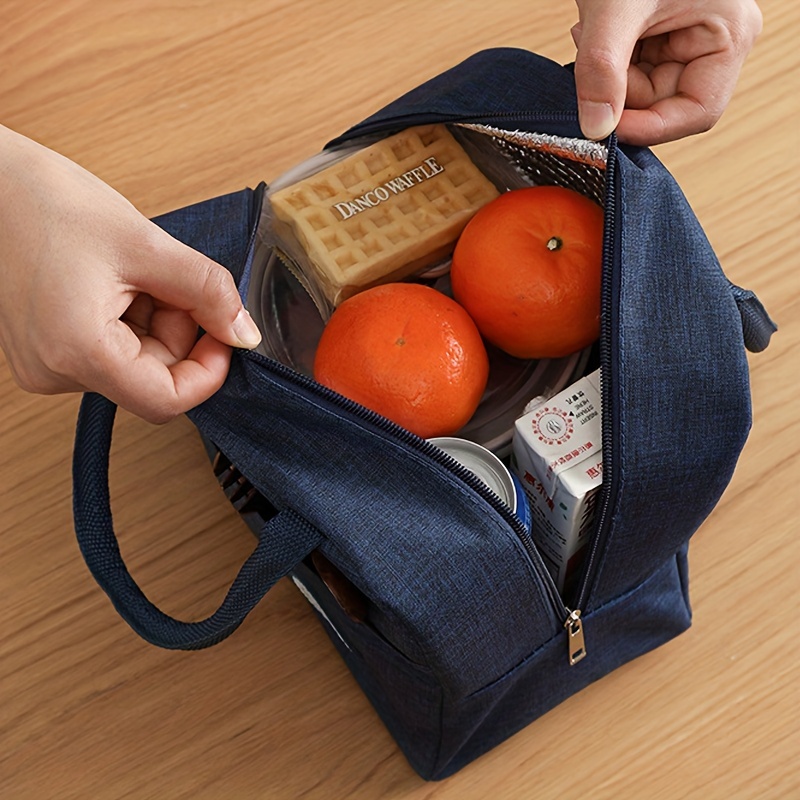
(492, 87)
(416, 541)
(220, 228)
(441, 733)
(680, 383)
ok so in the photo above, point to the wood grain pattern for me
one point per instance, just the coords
(173, 102)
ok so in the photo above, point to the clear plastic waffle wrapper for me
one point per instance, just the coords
(381, 213)
(387, 209)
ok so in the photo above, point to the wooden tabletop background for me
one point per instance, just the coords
(173, 102)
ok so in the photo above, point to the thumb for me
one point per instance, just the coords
(186, 279)
(605, 38)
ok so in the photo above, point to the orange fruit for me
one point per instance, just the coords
(408, 352)
(527, 268)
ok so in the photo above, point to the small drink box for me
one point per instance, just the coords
(557, 455)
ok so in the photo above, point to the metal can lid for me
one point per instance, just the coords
(483, 463)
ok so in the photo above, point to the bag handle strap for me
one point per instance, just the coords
(283, 542)
(757, 326)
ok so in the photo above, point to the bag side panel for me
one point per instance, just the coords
(406, 695)
(629, 626)
(414, 539)
(680, 380)
(441, 734)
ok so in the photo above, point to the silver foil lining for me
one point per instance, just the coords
(584, 151)
(538, 159)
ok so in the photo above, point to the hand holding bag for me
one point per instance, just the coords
(461, 638)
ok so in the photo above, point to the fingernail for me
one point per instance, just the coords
(245, 330)
(597, 119)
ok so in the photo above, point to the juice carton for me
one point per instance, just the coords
(558, 458)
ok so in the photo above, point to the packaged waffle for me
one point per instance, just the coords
(381, 213)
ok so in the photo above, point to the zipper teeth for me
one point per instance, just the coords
(606, 376)
(432, 451)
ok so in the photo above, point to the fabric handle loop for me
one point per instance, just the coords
(757, 327)
(283, 542)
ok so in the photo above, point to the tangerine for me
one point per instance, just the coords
(408, 352)
(527, 268)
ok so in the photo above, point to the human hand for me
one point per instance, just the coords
(658, 70)
(95, 297)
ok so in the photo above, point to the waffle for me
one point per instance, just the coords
(383, 213)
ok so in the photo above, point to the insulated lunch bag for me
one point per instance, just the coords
(430, 587)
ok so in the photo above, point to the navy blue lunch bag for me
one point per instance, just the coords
(429, 586)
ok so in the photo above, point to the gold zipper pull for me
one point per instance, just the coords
(575, 644)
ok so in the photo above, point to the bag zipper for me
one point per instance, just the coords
(570, 618)
(609, 305)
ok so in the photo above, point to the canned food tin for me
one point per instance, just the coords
(491, 470)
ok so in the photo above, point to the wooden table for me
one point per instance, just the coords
(173, 102)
